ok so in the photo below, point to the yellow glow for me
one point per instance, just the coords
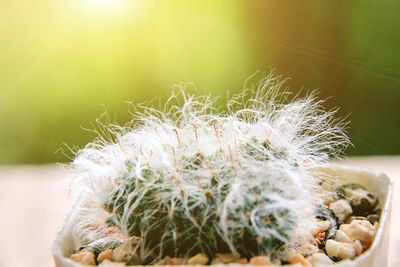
(95, 11)
(107, 5)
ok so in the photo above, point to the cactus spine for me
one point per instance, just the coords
(189, 179)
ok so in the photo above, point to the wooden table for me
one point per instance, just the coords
(34, 201)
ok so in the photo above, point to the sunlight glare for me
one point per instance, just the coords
(107, 5)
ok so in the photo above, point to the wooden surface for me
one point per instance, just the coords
(34, 201)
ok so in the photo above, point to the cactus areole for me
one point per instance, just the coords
(191, 179)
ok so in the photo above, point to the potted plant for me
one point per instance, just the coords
(252, 185)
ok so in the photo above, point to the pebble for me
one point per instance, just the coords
(360, 230)
(320, 260)
(361, 200)
(199, 259)
(352, 218)
(322, 226)
(84, 257)
(340, 249)
(241, 261)
(342, 237)
(320, 234)
(108, 263)
(105, 255)
(341, 208)
(298, 258)
(319, 240)
(224, 258)
(309, 248)
(176, 261)
(358, 247)
(288, 252)
(126, 253)
(163, 261)
(260, 260)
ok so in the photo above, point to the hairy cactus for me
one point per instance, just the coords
(190, 179)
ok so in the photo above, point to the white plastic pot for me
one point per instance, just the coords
(375, 256)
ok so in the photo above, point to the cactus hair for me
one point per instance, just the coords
(190, 178)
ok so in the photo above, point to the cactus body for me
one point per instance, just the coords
(190, 180)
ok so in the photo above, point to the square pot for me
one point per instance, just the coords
(376, 255)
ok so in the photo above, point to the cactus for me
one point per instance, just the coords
(190, 179)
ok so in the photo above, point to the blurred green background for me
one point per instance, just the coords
(64, 62)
